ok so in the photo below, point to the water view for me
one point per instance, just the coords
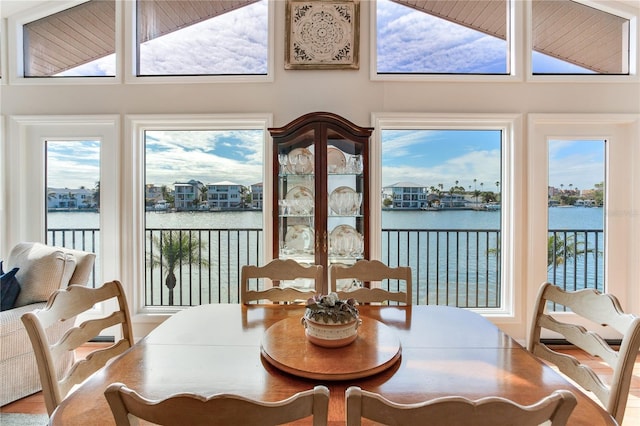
(454, 253)
(559, 218)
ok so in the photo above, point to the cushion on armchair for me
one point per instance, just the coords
(10, 289)
(43, 270)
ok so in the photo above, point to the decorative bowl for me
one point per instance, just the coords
(330, 322)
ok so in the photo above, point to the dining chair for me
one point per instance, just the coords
(220, 409)
(371, 270)
(278, 270)
(597, 308)
(457, 410)
(66, 305)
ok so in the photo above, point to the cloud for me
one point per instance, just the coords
(415, 42)
(484, 166)
(71, 164)
(208, 156)
(233, 43)
(576, 162)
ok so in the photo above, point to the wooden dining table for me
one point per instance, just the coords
(406, 353)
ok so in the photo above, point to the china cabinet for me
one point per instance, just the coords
(321, 190)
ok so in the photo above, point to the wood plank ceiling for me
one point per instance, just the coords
(563, 29)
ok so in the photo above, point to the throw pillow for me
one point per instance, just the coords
(43, 270)
(9, 288)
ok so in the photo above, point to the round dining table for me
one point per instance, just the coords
(407, 354)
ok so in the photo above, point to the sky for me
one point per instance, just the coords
(433, 157)
(408, 40)
(576, 162)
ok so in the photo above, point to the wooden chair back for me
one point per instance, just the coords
(278, 270)
(220, 409)
(65, 305)
(601, 309)
(458, 411)
(367, 271)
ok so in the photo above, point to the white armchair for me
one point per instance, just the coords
(42, 270)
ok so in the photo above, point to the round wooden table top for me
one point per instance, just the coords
(285, 346)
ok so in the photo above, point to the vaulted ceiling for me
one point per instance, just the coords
(563, 29)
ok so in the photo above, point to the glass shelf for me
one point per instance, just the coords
(333, 154)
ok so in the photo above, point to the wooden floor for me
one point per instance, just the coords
(34, 404)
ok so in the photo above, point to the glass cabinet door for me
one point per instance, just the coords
(321, 191)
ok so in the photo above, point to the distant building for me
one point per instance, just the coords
(257, 196)
(65, 198)
(406, 195)
(225, 195)
(452, 201)
(187, 194)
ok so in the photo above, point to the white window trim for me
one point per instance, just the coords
(516, 62)
(133, 247)
(130, 49)
(25, 178)
(622, 133)
(16, 52)
(621, 10)
(520, 24)
(125, 52)
(512, 193)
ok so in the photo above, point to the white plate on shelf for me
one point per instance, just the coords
(336, 161)
(300, 161)
(344, 240)
(299, 200)
(299, 238)
(345, 201)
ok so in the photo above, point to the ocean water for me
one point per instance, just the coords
(454, 253)
(559, 218)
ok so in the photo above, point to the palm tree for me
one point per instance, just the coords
(560, 249)
(203, 193)
(96, 194)
(174, 248)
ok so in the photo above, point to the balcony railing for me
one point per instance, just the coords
(450, 267)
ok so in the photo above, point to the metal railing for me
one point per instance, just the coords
(450, 267)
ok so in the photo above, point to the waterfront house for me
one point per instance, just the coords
(406, 195)
(257, 196)
(118, 109)
(66, 198)
(187, 194)
(224, 195)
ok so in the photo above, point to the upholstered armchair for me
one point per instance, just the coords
(42, 269)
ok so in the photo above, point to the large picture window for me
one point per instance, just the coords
(203, 198)
(444, 206)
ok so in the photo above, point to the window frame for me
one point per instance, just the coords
(515, 61)
(125, 27)
(620, 131)
(16, 49)
(619, 10)
(520, 47)
(134, 172)
(26, 175)
(130, 52)
(511, 192)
